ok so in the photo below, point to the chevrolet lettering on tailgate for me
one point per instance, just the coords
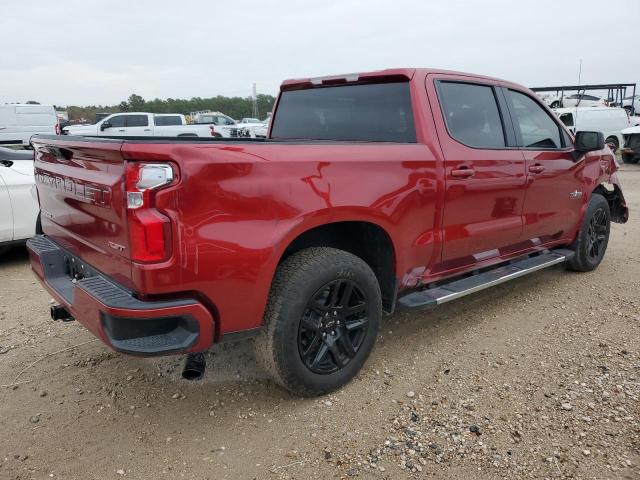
(87, 192)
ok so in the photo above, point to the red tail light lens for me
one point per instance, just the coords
(57, 129)
(213, 130)
(149, 229)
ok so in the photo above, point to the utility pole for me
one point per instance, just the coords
(579, 72)
(254, 95)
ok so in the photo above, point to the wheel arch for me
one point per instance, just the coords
(364, 238)
(615, 199)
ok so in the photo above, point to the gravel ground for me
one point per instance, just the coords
(538, 378)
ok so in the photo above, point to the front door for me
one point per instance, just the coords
(116, 126)
(554, 195)
(484, 172)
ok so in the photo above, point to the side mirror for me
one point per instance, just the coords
(104, 126)
(589, 141)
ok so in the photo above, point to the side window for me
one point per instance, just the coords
(117, 121)
(137, 120)
(167, 120)
(537, 129)
(567, 119)
(472, 115)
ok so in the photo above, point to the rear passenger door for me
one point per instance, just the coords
(484, 171)
(138, 126)
(554, 193)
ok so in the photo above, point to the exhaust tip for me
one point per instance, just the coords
(194, 366)
(58, 312)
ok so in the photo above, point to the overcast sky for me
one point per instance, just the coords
(87, 52)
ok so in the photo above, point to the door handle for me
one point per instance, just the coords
(121, 130)
(537, 168)
(463, 172)
(147, 129)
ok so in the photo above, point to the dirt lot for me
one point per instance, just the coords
(537, 378)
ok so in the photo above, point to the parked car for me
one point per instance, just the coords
(18, 122)
(631, 104)
(631, 148)
(352, 207)
(574, 100)
(251, 120)
(224, 125)
(140, 124)
(608, 120)
(249, 126)
(583, 100)
(19, 211)
(262, 130)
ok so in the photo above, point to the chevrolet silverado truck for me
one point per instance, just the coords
(402, 188)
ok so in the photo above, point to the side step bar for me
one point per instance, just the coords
(459, 288)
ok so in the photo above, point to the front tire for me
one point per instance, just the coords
(321, 320)
(592, 240)
(614, 141)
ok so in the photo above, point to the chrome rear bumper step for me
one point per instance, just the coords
(432, 297)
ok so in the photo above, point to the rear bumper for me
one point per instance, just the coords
(112, 313)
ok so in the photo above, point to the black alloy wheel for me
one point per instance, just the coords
(592, 239)
(333, 326)
(321, 321)
(597, 235)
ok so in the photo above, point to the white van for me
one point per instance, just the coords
(18, 122)
(608, 120)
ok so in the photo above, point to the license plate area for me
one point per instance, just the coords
(75, 269)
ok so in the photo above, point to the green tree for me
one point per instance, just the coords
(235, 107)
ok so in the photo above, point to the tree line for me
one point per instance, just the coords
(235, 107)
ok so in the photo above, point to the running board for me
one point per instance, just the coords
(459, 288)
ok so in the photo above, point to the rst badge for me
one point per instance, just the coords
(116, 246)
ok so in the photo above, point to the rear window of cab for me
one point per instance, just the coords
(367, 112)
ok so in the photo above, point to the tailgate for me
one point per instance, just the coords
(80, 186)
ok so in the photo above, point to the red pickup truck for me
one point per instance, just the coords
(398, 188)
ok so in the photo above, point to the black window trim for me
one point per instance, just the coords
(553, 118)
(508, 133)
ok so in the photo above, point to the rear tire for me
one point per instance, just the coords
(321, 320)
(593, 237)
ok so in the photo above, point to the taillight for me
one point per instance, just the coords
(213, 130)
(57, 129)
(149, 230)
